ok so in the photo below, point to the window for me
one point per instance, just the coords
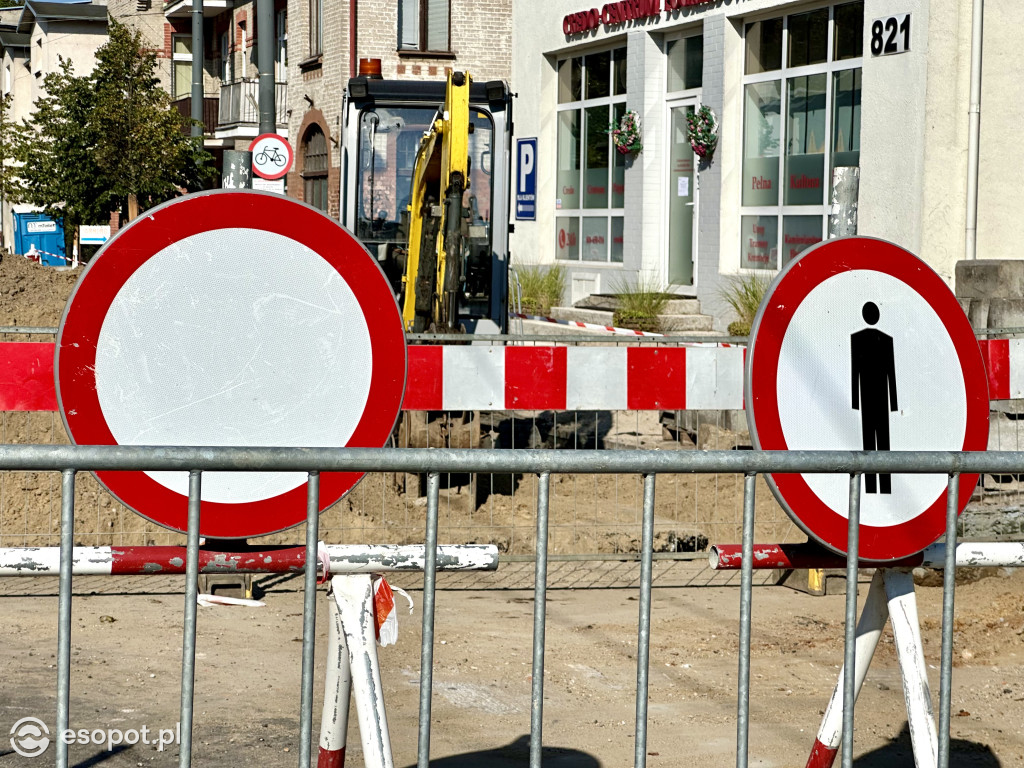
(181, 66)
(227, 59)
(316, 27)
(281, 51)
(314, 167)
(590, 173)
(801, 104)
(685, 63)
(423, 25)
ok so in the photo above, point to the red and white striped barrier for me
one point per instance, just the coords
(460, 377)
(998, 554)
(34, 255)
(142, 561)
(588, 326)
(465, 378)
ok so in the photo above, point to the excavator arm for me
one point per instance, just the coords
(433, 268)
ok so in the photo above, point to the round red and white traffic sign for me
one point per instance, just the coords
(272, 156)
(231, 318)
(859, 345)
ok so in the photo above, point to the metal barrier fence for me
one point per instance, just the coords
(648, 465)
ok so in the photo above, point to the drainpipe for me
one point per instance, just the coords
(265, 61)
(974, 132)
(352, 37)
(197, 67)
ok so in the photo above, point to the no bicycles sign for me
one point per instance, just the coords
(271, 156)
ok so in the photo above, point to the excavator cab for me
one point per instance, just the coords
(442, 242)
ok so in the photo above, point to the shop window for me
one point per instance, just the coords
(802, 94)
(423, 25)
(314, 167)
(685, 58)
(590, 173)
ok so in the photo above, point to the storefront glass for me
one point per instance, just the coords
(802, 92)
(591, 173)
(685, 63)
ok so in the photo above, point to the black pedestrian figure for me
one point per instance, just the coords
(874, 389)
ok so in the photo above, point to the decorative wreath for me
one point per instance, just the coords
(626, 135)
(702, 131)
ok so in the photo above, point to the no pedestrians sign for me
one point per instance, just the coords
(859, 345)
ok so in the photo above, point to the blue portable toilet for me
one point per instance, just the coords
(46, 234)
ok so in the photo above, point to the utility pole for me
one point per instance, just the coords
(267, 41)
(197, 67)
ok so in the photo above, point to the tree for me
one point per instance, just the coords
(56, 148)
(143, 150)
(108, 140)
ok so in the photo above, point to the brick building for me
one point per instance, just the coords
(413, 39)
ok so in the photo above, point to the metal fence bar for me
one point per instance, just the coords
(540, 582)
(746, 594)
(42, 458)
(850, 634)
(643, 642)
(188, 650)
(427, 643)
(309, 617)
(67, 543)
(948, 590)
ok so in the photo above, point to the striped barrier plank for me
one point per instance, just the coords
(491, 378)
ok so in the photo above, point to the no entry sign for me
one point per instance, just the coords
(231, 318)
(859, 345)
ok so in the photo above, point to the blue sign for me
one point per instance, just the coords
(526, 179)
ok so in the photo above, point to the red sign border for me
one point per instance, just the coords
(78, 334)
(791, 287)
(287, 166)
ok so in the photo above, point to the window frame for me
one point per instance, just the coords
(422, 11)
(316, 28)
(614, 216)
(830, 68)
(180, 58)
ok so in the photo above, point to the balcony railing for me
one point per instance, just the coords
(184, 106)
(240, 103)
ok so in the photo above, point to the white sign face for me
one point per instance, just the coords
(35, 227)
(816, 392)
(890, 34)
(271, 156)
(268, 185)
(94, 234)
(859, 346)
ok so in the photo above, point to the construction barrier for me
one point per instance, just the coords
(354, 593)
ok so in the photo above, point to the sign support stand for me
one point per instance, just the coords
(890, 597)
(353, 667)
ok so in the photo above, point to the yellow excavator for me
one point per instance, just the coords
(425, 187)
(432, 277)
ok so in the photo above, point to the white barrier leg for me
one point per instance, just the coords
(337, 692)
(869, 629)
(899, 586)
(354, 596)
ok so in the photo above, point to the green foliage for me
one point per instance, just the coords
(640, 304)
(744, 294)
(95, 140)
(56, 148)
(10, 3)
(10, 132)
(142, 144)
(543, 287)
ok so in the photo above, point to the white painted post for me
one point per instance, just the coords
(899, 586)
(354, 596)
(869, 629)
(337, 693)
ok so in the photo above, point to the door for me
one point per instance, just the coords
(682, 198)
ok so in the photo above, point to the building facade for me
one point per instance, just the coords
(798, 89)
(412, 39)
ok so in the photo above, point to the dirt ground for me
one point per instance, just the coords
(126, 671)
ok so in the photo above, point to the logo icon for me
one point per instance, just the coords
(30, 737)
